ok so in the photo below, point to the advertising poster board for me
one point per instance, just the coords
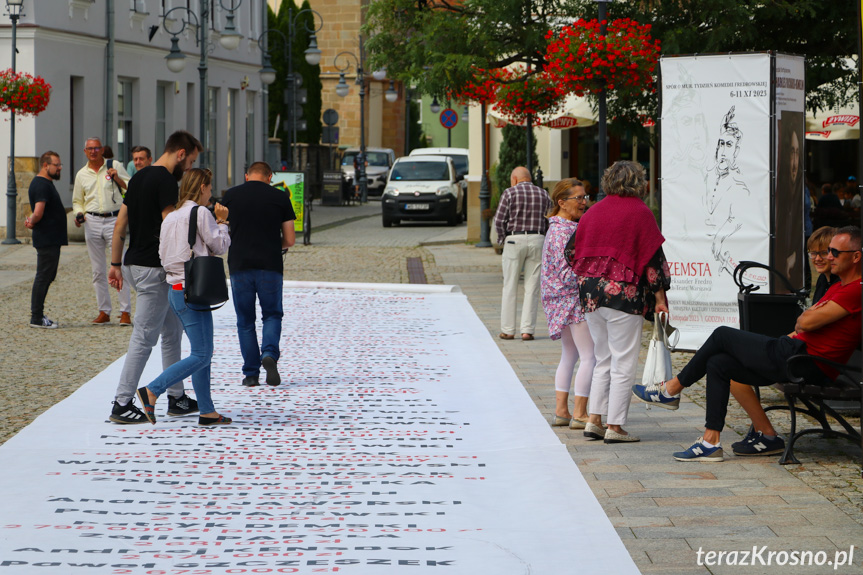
(715, 164)
(789, 251)
(292, 184)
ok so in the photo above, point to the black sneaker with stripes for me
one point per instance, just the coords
(180, 406)
(127, 414)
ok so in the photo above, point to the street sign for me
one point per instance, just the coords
(331, 117)
(448, 118)
(329, 135)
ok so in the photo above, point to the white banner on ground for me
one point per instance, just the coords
(715, 163)
(789, 252)
(399, 441)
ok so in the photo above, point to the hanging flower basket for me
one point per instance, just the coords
(481, 90)
(22, 93)
(584, 61)
(521, 95)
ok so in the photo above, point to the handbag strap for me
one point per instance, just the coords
(193, 230)
(660, 331)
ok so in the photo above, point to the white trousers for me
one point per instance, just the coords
(520, 252)
(99, 232)
(617, 343)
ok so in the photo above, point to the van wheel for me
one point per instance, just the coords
(387, 222)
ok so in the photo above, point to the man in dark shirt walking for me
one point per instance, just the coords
(262, 226)
(521, 225)
(48, 223)
(151, 196)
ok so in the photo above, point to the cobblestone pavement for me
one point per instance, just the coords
(663, 510)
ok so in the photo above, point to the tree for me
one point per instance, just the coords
(311, 81)
(438, 46)
(825, 32)
(512, 153)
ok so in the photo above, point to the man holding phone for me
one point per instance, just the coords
(96, 200)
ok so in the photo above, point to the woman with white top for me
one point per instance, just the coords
(212, 239)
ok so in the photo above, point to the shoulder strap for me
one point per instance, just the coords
(193, 227)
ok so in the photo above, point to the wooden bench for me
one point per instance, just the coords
(814, 395)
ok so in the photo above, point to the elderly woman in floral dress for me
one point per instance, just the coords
(622, 274)
(562, 307)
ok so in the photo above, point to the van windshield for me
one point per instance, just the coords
(373, 158)
(420, 171)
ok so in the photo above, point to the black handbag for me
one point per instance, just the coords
(206, 286)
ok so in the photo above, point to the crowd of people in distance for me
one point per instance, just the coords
(599, 271)
(253, 222)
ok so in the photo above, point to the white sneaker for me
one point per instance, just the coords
(45, 324)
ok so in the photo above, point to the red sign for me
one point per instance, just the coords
(448, 118)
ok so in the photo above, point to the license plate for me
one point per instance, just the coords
(417, 206)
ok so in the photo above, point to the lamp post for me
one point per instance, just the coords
(268, 74)
(603, 122)
(484, 190)
(342, 90)
(14, 9)
(176, 60)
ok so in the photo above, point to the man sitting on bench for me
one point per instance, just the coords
(829, 329)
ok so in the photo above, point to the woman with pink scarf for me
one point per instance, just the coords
(622, 274)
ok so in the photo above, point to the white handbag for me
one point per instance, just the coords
(657, 365)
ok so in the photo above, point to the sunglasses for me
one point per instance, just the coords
(835, 253)
(577, 198)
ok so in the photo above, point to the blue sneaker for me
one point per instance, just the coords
(759, 445)
(653, 394)
(748, 437)
(700, 452)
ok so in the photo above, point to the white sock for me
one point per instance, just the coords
(664, 390)
(707, 444)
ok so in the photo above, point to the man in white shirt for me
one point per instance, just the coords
(96, 200)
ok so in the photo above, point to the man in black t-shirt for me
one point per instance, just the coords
(48, 223)
(151, 196)
(262, 226)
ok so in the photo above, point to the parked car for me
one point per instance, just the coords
(379, 160)
(423, 188)
(460, 157)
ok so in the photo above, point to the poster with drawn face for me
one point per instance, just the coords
(715, 162)
(789, 252)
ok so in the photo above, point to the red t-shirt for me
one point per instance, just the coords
(838, 340)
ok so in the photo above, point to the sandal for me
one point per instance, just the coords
(149, 410)
(221, 420)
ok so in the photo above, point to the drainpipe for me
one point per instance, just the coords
(108, 137)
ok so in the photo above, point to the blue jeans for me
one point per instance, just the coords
(199, 329)
(267, 286)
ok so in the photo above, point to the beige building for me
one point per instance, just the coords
(384, 121)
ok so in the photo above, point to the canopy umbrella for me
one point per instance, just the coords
(834, 124)
(576, 113)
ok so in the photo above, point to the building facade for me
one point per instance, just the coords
(142, 102)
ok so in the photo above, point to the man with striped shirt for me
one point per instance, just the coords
(521, 225)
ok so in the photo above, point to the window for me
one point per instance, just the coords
(232, 134)
(211, 143)
(161, 119)
(124, 121)
(250, 128)
(138, 6)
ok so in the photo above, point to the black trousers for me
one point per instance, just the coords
(47, 260)
(745, 357)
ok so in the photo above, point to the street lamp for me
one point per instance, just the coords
(342, 90)
(391, 95)
(435, 106)
(268, 74)
(603, 110)
(176, 60)
(13, 7)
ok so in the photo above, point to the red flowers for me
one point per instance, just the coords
(23, 93)
(584, 61)
(579, 60)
